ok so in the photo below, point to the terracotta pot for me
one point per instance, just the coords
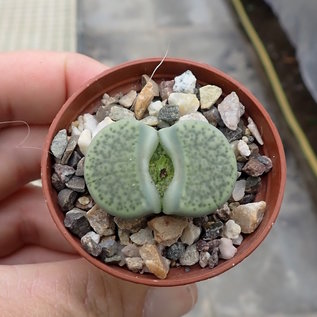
(124, 77)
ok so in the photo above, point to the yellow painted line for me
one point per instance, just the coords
(276, 86)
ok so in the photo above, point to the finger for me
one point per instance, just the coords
(34, 85)
(82, 290)
(34, 254)
(25, 220)
(19, 164)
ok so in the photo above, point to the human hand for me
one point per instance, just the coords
(41, 275)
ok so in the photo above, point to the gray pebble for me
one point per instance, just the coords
(213, 116)
(57, 183)
(117, 113)
(75, 221)
(213, 231)
(103, 112)
(109, 248)
(169, 114)
(240, 166)
(252, 184)
(74, 159)
(162, 124)
(80, 167)
(90, 242)
(64, 172)
(175, 251)
(77, 184)
(248, 198)
(214, 258)
(232, 135)
(71, 145)
(59, 144)
(190, 256)
(66, 199)
(114, 259)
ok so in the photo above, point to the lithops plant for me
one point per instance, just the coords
(117, 169)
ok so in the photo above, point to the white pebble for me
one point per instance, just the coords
(190, 234)
(185, 82)
(227, 250)
(243, 148)
(106, 121)
(155, 107)
(254, 130)
(238, 241)
(231, 230)
(80, 124)
(239, 190)
(75, 131)
(196, 116)
(90, 122)
(84, 141)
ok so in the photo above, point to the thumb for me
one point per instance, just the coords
(76, 288)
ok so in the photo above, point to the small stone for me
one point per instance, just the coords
(213, 230)
(230, 111)
(84, 203)
(124, 236)
(71, 145)
(169, 114)
(143, 100)
(155, 107)
(239, 190)
(77, 184)
(190, 234)
(134, 264)
(200, 221)
(213, 116)
(196, 116)
(142, 237)
(107, 100)
(109, 248)
(204, 258)
(74, 130)
(155, 87)
(66, 199)
(162, 124)
(57, 183)
(175, 251)
(254, 149)
(266, 161)
(187, 103)
(209, 94)
(105, 122)
(248, 198)
(131, 225)
(254, 167)
(101, 221)
(252, 184)
(127, 100)
(166, 88)
(243, 148)
(232, 135)
(238, 240)
(254, 130)
(130, 250)
(223, 213)
(152, 121)
(185, 83)
(167, 229)
(64, 172)
(80, 167)
(226, 248)
(113, 259)
(75, 221)
(231, 230)
(90, 122)
(103, 112)
(153, 260)
(214, 258)
(59, 144)
(190, 256)
(74, 159)
(118, 113)
(240, 166)
(249, 216)
(90, 242)
(84, 141)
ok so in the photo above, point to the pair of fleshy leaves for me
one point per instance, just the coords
(117, 169)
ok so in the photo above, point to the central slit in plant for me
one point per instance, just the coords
(161, 169)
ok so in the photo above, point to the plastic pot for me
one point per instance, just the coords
(127, 76)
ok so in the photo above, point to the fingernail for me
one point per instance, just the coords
(170, 301)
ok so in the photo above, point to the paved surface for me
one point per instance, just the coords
(280, 277)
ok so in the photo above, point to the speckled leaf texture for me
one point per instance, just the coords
(117, 169)
(205, 168)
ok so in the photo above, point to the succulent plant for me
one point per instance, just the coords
(125, 178)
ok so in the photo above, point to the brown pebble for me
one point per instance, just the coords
(143, 100)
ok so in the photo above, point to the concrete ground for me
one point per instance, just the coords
(280, 277)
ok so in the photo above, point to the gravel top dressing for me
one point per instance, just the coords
(163, 177)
